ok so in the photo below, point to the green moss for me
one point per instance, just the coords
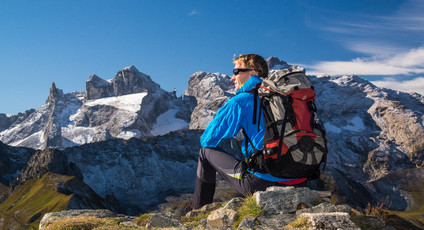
(26, 206)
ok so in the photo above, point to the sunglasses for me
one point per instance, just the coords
(237, 71)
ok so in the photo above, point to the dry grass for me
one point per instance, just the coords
(142, 220)
(299, 223)
(87, 223)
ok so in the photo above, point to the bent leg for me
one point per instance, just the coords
(231, 169)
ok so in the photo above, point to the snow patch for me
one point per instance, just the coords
(131, 102)
(167, 122)
(128, 134)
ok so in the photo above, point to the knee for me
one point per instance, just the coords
(202, 153)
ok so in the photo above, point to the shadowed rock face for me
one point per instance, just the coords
(12, 161)
(48, 160)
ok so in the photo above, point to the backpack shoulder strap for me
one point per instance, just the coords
(255, 91)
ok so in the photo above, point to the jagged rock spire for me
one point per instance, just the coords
(55, 94)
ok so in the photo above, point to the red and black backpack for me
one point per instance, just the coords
(294, 141)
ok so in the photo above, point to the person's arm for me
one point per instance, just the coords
(226, 124)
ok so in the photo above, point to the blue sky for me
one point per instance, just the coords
(67, 41)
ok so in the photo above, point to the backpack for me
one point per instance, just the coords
(294, 143)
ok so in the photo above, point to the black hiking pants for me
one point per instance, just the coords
(231, 169)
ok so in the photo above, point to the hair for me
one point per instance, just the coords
(254, 61)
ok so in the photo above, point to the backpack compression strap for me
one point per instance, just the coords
(251, 164)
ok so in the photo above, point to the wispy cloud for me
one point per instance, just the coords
(389, 45)
(410, 62)
(414, 85)
(193, 12)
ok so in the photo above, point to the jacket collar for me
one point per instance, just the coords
(253, 80)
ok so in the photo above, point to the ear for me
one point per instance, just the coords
(254, 72)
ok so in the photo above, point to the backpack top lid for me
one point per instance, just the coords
(284, 81)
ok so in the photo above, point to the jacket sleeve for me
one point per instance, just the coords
(226, 124)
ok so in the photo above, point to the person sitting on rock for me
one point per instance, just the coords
(237, 113)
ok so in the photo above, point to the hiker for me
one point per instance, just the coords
(235, 115)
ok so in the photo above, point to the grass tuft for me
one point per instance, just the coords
(249, 209)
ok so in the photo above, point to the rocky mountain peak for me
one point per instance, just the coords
(131, 68)
(55, 94)
(97, 87)
(129, 80)
(275, 63)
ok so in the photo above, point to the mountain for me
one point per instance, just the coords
(129, 105)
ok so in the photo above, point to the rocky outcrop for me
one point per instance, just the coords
(291, 213)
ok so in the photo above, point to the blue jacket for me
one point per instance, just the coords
(237, 113)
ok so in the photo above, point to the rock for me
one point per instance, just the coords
(334, 220)
(221, 218)
(234, 204)
(204, 209)
(325, 207)
(97, 87)
(247, 224)
(371, 222)
(159, 220)
(284, 199)
(55, 216)
(271, 222)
